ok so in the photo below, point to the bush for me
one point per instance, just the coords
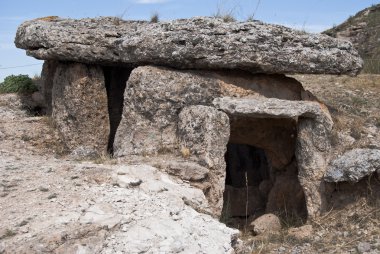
(18, 84)
(155, 18)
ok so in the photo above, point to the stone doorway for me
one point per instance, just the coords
(262, 172)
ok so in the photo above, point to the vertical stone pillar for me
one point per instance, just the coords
(204, 132)
(47, 76)
(80, 108)
(312, 153)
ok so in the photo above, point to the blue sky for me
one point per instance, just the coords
(311, 15)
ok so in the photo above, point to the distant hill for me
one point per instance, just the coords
(363, 30)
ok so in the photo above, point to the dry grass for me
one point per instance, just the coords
(105, 158)
(353, 103)
(185, 152)
(48, 18)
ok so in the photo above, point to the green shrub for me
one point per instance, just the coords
(18, 84)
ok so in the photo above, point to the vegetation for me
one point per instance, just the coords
(364, 31)
(223, 13)
(18, 84)
(155, 17)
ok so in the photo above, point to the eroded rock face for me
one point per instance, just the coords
(202, 43)
(354, 165)
(80, 107)
(204, 132)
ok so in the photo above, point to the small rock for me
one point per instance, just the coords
(43, 189)
(51, 196)
(301, 233)
(23, 223)
(363, 247)
(265, 224)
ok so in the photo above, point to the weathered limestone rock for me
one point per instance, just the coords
(155, 95)
(204, 131)
(186, 170)
(47, 78)
(270, 108)
(354, 165)
(80, 107)
(202, 43)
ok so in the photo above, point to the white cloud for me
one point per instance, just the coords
(151, 1)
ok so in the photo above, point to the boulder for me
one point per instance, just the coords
(354, 165)
(185, 170)
(80, 107)
(265, 224)
(201, 43)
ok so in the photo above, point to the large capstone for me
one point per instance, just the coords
(201, 43)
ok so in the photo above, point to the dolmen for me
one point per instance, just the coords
(211, 95)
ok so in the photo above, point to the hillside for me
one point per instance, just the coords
(363, 30)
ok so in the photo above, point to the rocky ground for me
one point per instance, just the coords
(51, 202)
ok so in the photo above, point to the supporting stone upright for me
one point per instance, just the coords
(312, 153)
(47, 78)
(203, 134)
(80, 107)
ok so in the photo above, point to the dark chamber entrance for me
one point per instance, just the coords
(115, 79)
(261, 172)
